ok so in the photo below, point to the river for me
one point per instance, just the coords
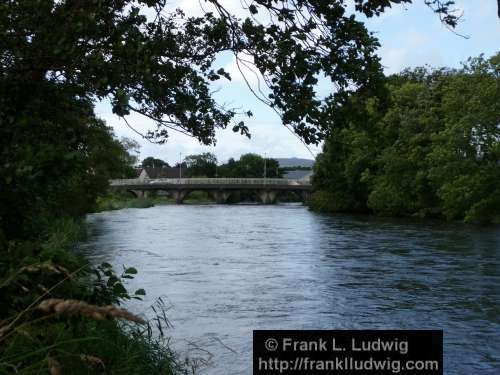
(225, 270)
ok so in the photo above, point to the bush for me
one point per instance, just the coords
(118, 201)
(78, 335)
(427, 145)
(323, 201)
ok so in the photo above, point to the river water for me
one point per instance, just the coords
(225, 270)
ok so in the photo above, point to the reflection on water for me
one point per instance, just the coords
(227, 270)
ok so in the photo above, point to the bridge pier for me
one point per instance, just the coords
(267, 196)
(220, 196)
(179, 196)
(221, 189)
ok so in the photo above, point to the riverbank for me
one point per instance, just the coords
(56, 313)
(326, 202)
(120, 200)
(116, 201)
(330, 203)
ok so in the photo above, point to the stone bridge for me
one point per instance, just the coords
(267, 189)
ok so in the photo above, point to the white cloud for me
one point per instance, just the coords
(409, 49)
(243, 71)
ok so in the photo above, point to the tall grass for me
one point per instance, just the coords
(58, 315)
(120, 200)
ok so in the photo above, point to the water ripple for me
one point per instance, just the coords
(227, 270)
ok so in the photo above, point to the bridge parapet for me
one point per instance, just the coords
(220, 188)
(208, 181)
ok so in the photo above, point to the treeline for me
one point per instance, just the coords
(206, 165)
(426, 144)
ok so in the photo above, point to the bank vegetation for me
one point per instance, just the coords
(425, 144)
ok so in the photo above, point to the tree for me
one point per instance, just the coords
(202, 165)
(251, 166)
(109, 157)
(154, 163)
(161, 66)
(132, 147)
(428, 145)
(55, 158)
(465, 159)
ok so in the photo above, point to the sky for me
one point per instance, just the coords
(409, 35)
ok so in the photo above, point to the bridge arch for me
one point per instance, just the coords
(221, 189)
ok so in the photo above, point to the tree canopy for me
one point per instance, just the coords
(251, 166)
(54, 158)
(160, 63)
(154, 163)
(427, 146)
(201, 165)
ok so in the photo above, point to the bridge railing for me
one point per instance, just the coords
(208, 181)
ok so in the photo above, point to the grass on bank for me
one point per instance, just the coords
(73, 337)
(118, 201)
(121, 200)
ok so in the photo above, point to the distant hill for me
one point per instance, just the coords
(295, 162)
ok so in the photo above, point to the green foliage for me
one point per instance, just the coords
(326, 201)
(427, 145)
(162, 66)
(55, 158)
(141, 203)
(202, 165)
(30, 341)
(108, 287)
(154, 163)
(118, 201)
(250, 166)
(58, 237)
(198, 197)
